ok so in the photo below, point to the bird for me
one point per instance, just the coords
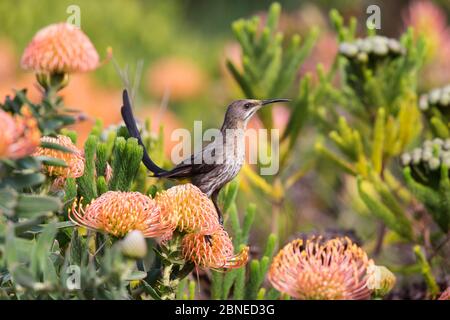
(209, 176)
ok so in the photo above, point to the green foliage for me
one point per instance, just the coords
(268, 70)
(234, 283)
(49, 112)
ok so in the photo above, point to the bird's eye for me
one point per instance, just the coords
(248, 105)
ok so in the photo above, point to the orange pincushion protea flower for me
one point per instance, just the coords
(188, 209)
(74, 159)
(19, 135)
(317, 269)
(60, 48)
(213, 251)
(118, 213)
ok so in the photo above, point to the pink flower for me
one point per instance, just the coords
(213, 251)
(118, 213)
(19, 135)
(318, 269)
(60, 48)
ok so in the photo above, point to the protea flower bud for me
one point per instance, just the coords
(213, 251)
(60, 48)
(312, 269)
(188, 209)
(74, 159)
(19, 135)
(133, 245)
(118, 213)
(380, 280)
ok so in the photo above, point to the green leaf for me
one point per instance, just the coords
(151, 291)
(31, 206)
(41, 251)
(230, 196)
(136, 275)
(55, 146)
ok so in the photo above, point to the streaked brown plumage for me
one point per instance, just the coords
(209, 176)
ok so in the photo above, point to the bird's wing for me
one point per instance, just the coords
(193, 165)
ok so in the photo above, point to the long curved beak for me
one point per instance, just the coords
(269, 101)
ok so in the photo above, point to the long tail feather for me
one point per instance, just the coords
(130, 122)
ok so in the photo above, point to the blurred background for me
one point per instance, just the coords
(183, 45)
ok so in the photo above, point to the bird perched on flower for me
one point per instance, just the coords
(118, 213)
(19, 134)
(216, 164)
(317, 269)
(214, 251)
(73, 159)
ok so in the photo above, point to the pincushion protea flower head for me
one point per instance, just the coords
(118, 213)
(60, 48)
(188, 209)
(19, 135)
(326, 270)
(74, 159)
(213, 251)
(445, 295)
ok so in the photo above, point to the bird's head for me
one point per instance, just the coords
(240, 111)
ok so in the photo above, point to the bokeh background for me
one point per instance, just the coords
(182, 46)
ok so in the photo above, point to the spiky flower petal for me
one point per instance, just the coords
(118, 213)
(310, 269)
(19, 135)
(74, 159)
(188, 209)
(60, 48)
(213, 251)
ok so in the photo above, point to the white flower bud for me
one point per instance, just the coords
(348, 49)
(435, 95)
(406, 159)
(427, 154)
(394, 46)
(380, 279)
(362, 57)
(445, 99)
(434, 163)
(133, 245)
(438, 142)
(446, 145)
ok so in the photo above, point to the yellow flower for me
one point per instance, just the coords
(19, 135)
(74, 159)
(118, 213)
(213, 251)
(335, 269)
(60, 48)
(188, 209)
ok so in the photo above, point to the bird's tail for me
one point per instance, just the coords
(130, 122)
